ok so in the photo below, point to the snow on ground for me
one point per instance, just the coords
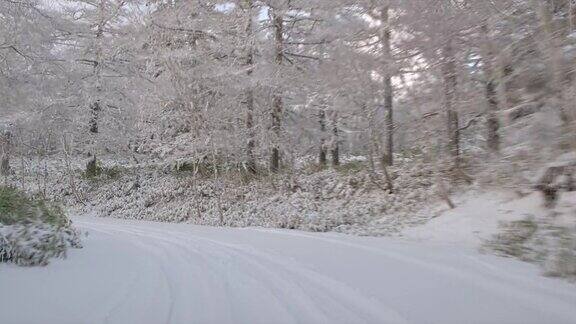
(142, 272)
(476, 218)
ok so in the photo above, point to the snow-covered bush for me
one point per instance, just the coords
(32, 231)
(35, 243)
(547, 237)
(539, 241)
(512, 239)
(561, 259)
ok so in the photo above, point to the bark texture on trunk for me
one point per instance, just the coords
(96, 105)
(95, 109)
(552, 50)
(504, 75)
(450, 85)
(323, 153)
(5, 164)
(276, 126)
(277, 103)
(335, 151)
(492, 123)
(5, 143)
(251, 142)
(388, 157)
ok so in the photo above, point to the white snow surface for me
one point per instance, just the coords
(476, 218)
(479, 215)
(144, 272)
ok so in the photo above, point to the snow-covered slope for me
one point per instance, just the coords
(138, 272)
(476, 218)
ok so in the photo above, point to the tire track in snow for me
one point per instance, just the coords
(497, 285)
(215, 267)
(167, 284)
(314, 291)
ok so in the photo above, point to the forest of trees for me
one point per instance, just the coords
(266, 85)
(355, 116)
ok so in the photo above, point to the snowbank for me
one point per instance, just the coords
(511, 226)
(476, 218)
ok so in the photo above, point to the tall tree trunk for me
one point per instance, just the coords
(335, 151)
(5, 143)
(504, 74)
(388, 157)
(96, 105)
(492, 123)
(95, 109)
(5, 164)
(374, 138)
(277, 104)
(251, 143)
(571, 16)
(450, 85)
(323, 154)
(553, 52)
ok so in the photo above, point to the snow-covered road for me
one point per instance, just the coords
(139, 272)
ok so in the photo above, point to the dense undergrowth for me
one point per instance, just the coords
(349, 198)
